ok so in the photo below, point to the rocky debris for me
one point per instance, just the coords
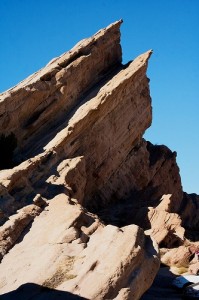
(77, 174)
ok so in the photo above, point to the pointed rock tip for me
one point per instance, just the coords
(146, 55)
(116, 24)
(142, 59)
(120, 21)
(110, 28)
(149, 53)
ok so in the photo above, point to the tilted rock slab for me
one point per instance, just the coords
(100, 128)
(66, 130)
(72, 151)
(44, 99)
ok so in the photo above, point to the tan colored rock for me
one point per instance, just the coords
(114, 262)
(45, 243)
(166, 227)
(110, 260)
(147, 173)
(182, 259)
(39, 102)
(11, 231)
(102, 109)
(72, 150)
(178, 257)
(194, 268)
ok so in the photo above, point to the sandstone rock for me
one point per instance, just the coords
(97, 112)
(166, 227)
(147, 173)
(13, 228)
(77, 174)
(114, 262)
(39, 102)
(178, 257)
(194, 268)
(112, 259)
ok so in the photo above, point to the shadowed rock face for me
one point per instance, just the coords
(84, 175)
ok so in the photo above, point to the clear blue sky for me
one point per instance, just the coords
(32, 32)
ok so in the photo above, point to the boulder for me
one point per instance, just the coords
(68, 249)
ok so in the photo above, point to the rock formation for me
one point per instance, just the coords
(84, 199)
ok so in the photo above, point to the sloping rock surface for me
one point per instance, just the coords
(68, 249)
(66, 130)
(76, 175)
(72, 251)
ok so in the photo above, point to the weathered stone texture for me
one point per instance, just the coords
(104, 115)
(78, 181)
(75, 123)
(71, 250)
(39, 103)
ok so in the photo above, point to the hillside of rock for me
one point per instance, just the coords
(85, 201)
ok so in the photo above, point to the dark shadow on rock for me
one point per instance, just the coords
(7, 146)
(33, 147)
(189, 214)
(123, 212)
(162, 287)
(32, 291)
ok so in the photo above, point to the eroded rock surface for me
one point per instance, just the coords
(79, 185)
(69, 249)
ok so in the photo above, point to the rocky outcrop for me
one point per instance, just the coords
(53, 120)
(69, 249)
(79, 185)
(96, 116)
(31, 110)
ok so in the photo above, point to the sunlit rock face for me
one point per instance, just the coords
(84, 199)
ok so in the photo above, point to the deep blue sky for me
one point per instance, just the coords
(32, 32)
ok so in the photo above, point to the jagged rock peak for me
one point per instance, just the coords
(65, 132)
(77, 178)
(46, 97)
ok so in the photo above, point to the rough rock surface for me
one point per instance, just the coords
(70, 250)
(77, 175)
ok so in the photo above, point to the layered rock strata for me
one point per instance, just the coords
(77, 175)
(34, 108)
